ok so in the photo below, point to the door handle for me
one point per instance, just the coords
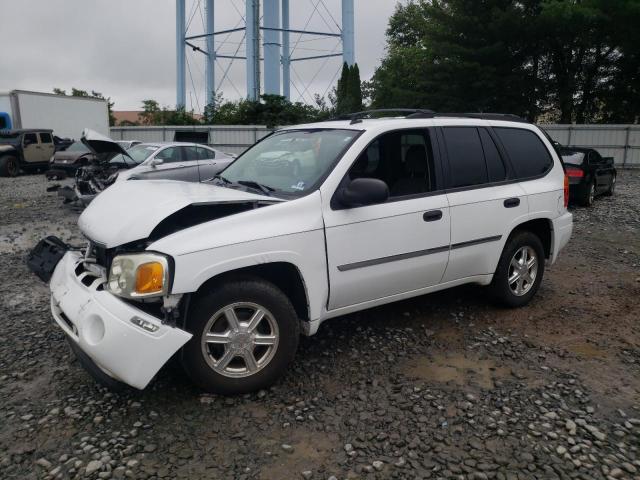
(432, 216)
(511, 202)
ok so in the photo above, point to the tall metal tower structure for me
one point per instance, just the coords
(267, 45)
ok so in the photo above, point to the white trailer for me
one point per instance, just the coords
(67, 116)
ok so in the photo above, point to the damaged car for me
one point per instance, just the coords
(113, 162)
(226, 275)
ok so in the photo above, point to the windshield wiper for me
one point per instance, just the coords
(266, 189)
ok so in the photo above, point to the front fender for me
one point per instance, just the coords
(305, 251)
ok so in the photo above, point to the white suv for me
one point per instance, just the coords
(313, 222)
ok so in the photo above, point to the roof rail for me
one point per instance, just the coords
(358, 116)
(509, 117)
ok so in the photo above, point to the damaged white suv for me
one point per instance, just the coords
(313, 222)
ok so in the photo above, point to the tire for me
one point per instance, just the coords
(505, 292)
(612, 187)
(590, 195)
(9, 166)
(230, 350)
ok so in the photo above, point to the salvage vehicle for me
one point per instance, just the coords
(228, 274)
(589, 174)
(69, 160)
(112, 162)
(127, 144)
(28, 149)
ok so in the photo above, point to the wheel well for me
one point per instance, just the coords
(285, 276)
(541, 227)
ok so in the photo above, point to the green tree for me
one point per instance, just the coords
(349, 90)
(569, 60)
(455, 55)
(270, 110)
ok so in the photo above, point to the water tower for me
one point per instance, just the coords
(267, 45)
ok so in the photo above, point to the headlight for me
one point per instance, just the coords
(139, 275)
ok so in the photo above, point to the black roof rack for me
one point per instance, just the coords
(425, 113)
(358, 116)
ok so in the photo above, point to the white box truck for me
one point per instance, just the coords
(67, 116)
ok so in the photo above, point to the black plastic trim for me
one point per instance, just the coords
(392, 258)
(479, 241)
(419, 253)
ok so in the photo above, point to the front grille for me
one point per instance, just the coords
(99, 253)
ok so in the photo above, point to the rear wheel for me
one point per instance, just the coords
(520, 270)
(589, 195)
(9, 166)
(245, 334)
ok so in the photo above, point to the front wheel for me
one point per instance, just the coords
(520, 270)
(612, 187)
(9, 166)
(245, 334)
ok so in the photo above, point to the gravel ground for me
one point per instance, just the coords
(442, 386)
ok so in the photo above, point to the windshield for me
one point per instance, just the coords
(290, 162)
(77, 147)
(139, 154)
(12, 138)
(573, 158)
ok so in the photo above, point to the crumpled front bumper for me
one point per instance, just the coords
(100, 324)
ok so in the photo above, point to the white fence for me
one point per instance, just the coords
(619, 141)
(231, 138)
(622, 142)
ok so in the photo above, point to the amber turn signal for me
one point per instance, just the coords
(149, 278)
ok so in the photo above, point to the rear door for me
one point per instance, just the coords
(483, 203)
(399, 246)
(46, 143)
(208, 164)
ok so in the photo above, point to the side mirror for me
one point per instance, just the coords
(155, 162)
(608, 160)
(363, 191)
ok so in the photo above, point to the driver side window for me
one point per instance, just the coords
(401, 159)
(169, 155)
(29, 139)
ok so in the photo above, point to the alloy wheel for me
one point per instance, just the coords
(523, 270)
(240, 339)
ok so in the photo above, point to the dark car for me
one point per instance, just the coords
(69, 160)
(589, 174)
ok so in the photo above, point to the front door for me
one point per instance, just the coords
(31, 149)
(175, 166)
(399, 246)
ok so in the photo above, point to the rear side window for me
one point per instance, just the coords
(30, 138)
(495, 166)
(206, 154)
(45, 138)
(467, 166)
(527, 153)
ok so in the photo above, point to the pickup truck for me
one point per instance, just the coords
(24, 149)
(313, 222)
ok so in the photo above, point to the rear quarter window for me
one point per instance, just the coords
(528, 155)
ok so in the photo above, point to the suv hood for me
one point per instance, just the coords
(130, 211)
(98, 143)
